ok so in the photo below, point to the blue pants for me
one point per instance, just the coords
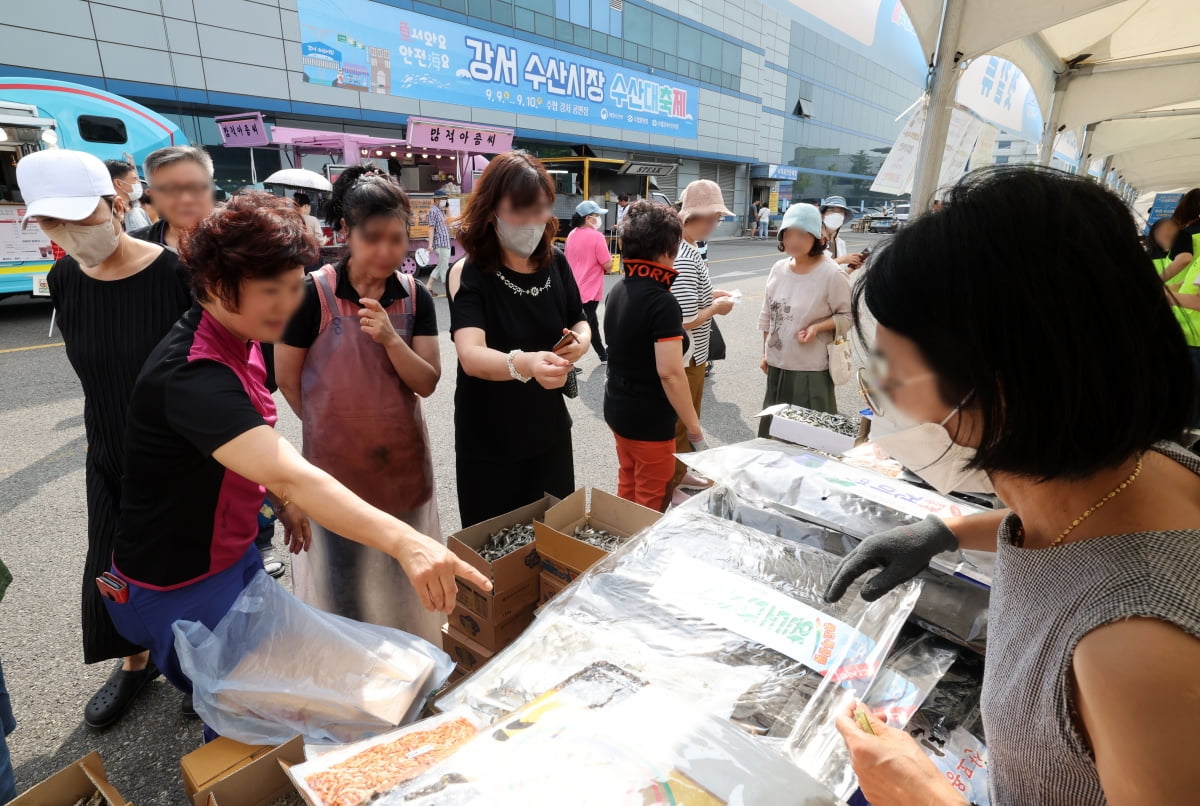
(762, 229)
(147, 617)
(8, 786)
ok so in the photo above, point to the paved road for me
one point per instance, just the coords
(43, 523)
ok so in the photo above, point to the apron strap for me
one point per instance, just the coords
(408, 305)
(322, 280)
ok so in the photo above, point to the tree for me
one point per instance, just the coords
(860, 163)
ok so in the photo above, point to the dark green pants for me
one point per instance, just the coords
(812, 390)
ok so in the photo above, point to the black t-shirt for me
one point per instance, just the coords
(302, 330)
(1185, 241)
(510, 419)
(183, 515)
(639, 313)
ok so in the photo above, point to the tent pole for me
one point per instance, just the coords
(1085, 150)
(1046, 147)
(943, 78)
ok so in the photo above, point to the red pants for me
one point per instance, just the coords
(646, 471)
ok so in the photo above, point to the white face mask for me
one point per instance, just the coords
(835, 220)
(90, 244)
(135, 190)
(522, 241)
(928, 450)
(597, 223)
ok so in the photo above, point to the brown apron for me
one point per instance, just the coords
(365, 427)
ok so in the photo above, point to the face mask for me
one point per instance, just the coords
(522, 241)
(597, 224)
(927, 450)
(834, 220)
(135, 191)
(90, 244)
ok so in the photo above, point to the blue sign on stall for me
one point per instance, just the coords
(383, 49)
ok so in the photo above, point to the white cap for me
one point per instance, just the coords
(62, 184)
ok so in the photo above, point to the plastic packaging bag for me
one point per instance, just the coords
(275, 667)
(602, 738)
(729, 618)
(950, 606)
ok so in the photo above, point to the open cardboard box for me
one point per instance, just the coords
(548, 587)
(810, 436)
(80, 780)
(228, 773)
(514, 576)
(564, 557)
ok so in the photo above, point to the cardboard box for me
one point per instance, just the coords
(228, 773)
(804, 434)
(468, 654)
(549, 587)
(513, 576)
(80, 780)
(564, 557)
(492, 637)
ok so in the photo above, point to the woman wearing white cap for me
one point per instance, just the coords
(701, 207)
(587, 253)
(806, 301)
(115, 297)
(834, 214)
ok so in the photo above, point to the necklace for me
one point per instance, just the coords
(516, 289)
(1120, 488)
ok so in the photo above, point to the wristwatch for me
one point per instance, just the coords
(512, 368)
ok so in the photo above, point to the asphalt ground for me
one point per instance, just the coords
(43, 524)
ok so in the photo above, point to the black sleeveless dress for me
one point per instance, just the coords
(110, 327)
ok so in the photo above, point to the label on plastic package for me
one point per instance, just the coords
(761, 614)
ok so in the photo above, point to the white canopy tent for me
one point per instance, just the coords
(1125, 73)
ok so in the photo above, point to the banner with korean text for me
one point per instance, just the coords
(372, 47)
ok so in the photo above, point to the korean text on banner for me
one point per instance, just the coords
(370, 46)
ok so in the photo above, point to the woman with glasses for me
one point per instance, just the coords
(519, 326)
(1069, 399)
(807, 301)
(355, 361)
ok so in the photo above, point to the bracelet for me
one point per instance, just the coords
(512, 368)
(283, 506)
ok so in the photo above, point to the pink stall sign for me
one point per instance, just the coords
(245, 130)
(447, 135)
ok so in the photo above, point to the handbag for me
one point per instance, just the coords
(716, 344)
(841, 362)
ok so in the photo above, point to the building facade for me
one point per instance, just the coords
(726, 89)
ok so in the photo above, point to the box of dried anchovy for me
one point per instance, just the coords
(831, 433)
(504, 551)
(573, 536)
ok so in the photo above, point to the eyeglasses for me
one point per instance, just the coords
(876, 384)
(196, 189)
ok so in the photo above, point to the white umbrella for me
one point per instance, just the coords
(299, 178)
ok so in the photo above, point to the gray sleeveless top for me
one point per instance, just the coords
(1044, 601)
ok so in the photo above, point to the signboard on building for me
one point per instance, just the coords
(451, 136)
(244, 130)
(436, 60)
(648, 168)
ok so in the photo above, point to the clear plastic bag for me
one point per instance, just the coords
(950, 606)
(602, 738)
(275, 667)
(729, 618)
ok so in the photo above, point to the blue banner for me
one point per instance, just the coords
(372, 47)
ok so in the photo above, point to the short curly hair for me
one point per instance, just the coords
(649, 231)
(255, 236)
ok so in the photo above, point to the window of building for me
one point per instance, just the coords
(1003, 144)
(1003, 160)
(100, 129)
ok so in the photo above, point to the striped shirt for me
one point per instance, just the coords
(693, 291)
(439, 232)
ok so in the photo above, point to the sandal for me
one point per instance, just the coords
(117, 694)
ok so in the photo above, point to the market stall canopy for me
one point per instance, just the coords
(299, 178)
(1122, 71)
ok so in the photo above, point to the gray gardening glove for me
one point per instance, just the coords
(901, 553)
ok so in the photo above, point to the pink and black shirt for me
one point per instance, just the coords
(183, 515)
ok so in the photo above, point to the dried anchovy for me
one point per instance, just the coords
(599, 538)
(831, 422)
(506, 541)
